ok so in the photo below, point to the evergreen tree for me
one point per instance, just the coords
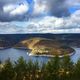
(43, 72)
(56, 69)
(35, 71)
(67, 68)
(7, 72)
(20, 68)
(77, 70)
(53, 68)
(30, 70)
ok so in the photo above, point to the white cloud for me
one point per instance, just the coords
(39, 7)
(47, 24)
(8, 8)
(73, 2)
(21, 9)
(16, 9)
(51, 24)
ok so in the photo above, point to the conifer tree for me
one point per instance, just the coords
(67, 68)
(77, 70)
(53, 68)
(20, 68)
(7, 72)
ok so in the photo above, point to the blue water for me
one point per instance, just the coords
(14, 54)
(76, 56)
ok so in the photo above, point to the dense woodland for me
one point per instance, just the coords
(55, 69)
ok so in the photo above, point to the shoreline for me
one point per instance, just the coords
(71, 54)
(2, 48)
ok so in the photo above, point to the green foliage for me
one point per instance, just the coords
(20, 69)
(0, 62)
(67, 68)
(77, 70)
(55, 69)
(7, 72)
(52, 68)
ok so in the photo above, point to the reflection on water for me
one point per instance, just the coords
(14, 54)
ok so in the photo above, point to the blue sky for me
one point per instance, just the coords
(39, 16)
(72, 10)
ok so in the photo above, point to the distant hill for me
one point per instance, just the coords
(10, 40)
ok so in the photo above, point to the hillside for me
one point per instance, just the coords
(44, 46)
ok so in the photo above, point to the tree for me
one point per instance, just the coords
(53, 68)
(7, 72)
(77, 70)
(35, 71)
(0, 62)
(20, 68)
(67, 68)
(43, 71)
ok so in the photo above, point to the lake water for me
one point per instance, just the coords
(14, 54)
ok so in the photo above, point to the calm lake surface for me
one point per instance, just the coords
(14, 54)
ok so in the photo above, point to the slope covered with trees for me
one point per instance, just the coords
(55, 69)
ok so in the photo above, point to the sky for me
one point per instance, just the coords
(39, 16)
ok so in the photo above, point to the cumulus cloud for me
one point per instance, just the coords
(40, 8)
(51, 24)
(13, 10)
(58, 8)
(35, 8)
(55, 23)
(21, 9)
(46, 16)
(8, 8)
(47, 24)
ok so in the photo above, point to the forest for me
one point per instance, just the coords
(55, 69)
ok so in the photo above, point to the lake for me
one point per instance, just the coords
(14, 54)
